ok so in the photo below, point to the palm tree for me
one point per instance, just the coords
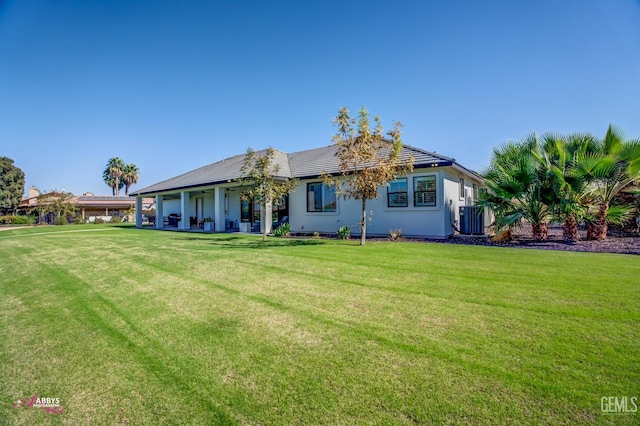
(129, 176)
(517, 187)
(562, 157)
(112, 174)
(613, 169)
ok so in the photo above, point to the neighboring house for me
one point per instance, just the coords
(90, 207)
(105, 207)
(424, 203)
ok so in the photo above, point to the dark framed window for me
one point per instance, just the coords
(398, 193)
(280, 208)
(245, 211)
(321, 198)
(424, 191)
(461, 188)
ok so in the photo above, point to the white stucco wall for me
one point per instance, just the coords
(233, 212)
(208, 205)
(426, 221)
(434, 221)
(452, 193)
(170, 206)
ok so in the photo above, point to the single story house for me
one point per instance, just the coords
(424, 203)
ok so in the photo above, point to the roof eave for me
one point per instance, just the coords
(142, 192)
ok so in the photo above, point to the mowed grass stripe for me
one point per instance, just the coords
(107, 322)
(290, 333)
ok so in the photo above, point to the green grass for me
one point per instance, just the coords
(131, 326)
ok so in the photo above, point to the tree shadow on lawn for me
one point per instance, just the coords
(233, 242)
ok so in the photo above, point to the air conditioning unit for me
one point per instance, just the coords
(471, 220)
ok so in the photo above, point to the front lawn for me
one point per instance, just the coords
(148, 327)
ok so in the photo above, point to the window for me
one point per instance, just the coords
(245, 211)
(397, 195)
(280, 208)
(424, 191)
(475, 192)
(320, 198)
(461, 188)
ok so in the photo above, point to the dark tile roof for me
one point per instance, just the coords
(302, 164)
(314, 162)
(112, 198)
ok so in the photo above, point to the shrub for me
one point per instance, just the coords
(316, 234)
(116, 219)
(60, 220)
(79, 221)
(98, 220)
(15, 220)
(282, 230)
(20, 220)
(395, 234)
(344, 233)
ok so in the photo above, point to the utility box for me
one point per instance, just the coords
(471, 220)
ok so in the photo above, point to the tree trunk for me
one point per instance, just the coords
(601, 227)
(540, 231)
(363, 224)
(570, 229)
(264, 221)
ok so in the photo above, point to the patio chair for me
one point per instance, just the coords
(285, 219)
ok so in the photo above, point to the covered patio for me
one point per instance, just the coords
(209, 209)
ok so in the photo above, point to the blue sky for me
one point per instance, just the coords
(172, 86)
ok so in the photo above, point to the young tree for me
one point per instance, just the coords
(260, 173)
(11, 185)
(367, 159)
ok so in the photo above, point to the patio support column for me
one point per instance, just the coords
(184, 211)
(219, 209)
(83, 213)
(159, 215)
(138, 212)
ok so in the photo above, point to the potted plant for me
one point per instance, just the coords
(208, 224)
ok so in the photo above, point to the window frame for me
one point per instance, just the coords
(416, 192)
(391, 193)
(323, 201)
(461, 188)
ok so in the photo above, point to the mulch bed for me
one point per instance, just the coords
(618, 241)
